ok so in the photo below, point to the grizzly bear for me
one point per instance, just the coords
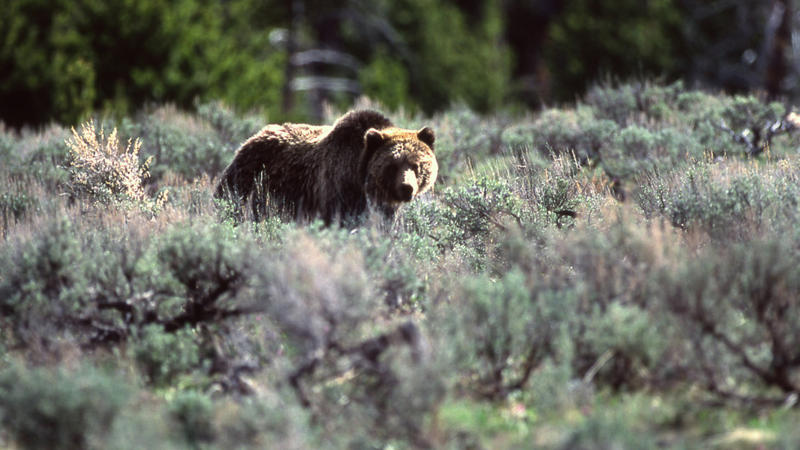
(332, 172)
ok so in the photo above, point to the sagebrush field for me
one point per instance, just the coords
(623, 272)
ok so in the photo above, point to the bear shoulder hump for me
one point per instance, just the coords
(350, 128)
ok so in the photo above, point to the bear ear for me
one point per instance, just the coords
(426, 135)
(373, 139)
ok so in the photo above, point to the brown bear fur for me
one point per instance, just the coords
(332, 172)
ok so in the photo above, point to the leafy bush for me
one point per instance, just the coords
(637, 151)
(13, 206)
(499, 333)
(231, 128)
(202, 270)
(736, 305)
(7, 141)
(399, 263)
(43, 279)
(40, 158)
(571, 132)
(101, 291)
(619, 104)
(727, 199)
(474, 211)
(323, 303)
(636, 102)
(752, 122)
(193, 413)
(162, 356)
(552, 191)
(463, 138)
(190, 145)
(70, 409)
(597, 284)
(601, 431)
(622, 346)
(269, 419)
(102, 171)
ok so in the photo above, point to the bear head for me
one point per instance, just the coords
(397, 165)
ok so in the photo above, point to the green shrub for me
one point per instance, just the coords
(162, 357)
(463, 138)
(100, 289)
(499, 332)
(621, 346)
(62, 408)
(42, 158)
(717, 208)
(14, 206)
(317, 296)
(231, 128)
(599, 278)
(43, 280)
(399, 262)
(519, 304)
(636, 102)
(477, 209)
(736, 305)
(572, 132)
(633, 150)
(377, 376)
(271, 419)
(751, 114)
(619, 104)
(193, 412)
(751, 123)
(465, 217)
(190, 145)
(553, 189)
(179, 144)
(601, 431)
(636, 142)
(7, 143)
(725, 199)
(202, 268)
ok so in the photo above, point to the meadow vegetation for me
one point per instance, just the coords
(622, 272)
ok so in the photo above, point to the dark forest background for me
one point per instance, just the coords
(61, 60)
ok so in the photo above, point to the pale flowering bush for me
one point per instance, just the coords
(103, 171)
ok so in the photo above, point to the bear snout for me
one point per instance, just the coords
(408, 186)
(406, 192)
